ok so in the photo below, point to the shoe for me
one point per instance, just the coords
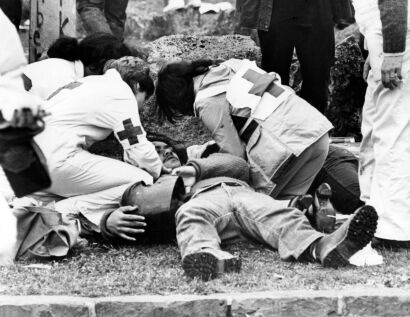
(302, 202)
(323, 218)
(335, 250)
(207, 265)
(174, 5)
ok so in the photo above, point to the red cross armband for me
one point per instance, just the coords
(129, 132)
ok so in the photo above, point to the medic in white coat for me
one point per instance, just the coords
(87, 111)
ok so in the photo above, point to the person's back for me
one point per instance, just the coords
(83, 112)
(43, 78)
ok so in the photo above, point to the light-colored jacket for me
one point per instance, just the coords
(273, 143)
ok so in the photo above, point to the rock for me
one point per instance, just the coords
(347, 89)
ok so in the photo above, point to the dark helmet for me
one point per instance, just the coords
(158, 204)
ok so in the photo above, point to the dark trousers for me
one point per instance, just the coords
(340, 171)
(107, 16)
(313, 39)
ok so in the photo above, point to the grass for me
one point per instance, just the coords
(99, 270)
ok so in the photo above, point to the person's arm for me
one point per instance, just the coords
(216, 165)
(393, 15)
(215, 114)
(127, 128)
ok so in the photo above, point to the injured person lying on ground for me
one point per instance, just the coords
(220, 208)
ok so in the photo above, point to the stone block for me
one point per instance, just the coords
(165, 307)
(284, 306)
(377, 305)
(44, 310)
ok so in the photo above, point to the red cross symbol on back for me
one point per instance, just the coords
(130, 132)
(262, 83)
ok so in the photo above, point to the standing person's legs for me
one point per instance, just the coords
(92, 16)
(300, 175)
(390, 193)
(367, 157)
(86, 173)
(277, 46)
(315, 49)
(115, 12)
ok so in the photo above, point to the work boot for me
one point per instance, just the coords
(208, 264)
(335, 250)
(302, 202)
(323, 215)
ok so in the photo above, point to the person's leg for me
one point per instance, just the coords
(115, 12)
(272, 222)
(300, 175)
(315, 49)
(277, 46)
(200, 224)
(263, 219)
(94, 205)
(92, 16)
(86, 173)
(367, 156)
(390, 193)
(340, 171)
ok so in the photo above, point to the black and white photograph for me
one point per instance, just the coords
(189, 158)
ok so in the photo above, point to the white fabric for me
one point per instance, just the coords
(239, 97)
(50, 74)
(385, 150)
(88, 111)
(367, 15)
(84, 112)
(12, 62)
(385, 155)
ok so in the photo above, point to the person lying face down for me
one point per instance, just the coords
(221, 207)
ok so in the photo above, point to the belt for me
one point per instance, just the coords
(245, 127)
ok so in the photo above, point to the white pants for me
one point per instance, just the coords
(384, 173)
(91, 184)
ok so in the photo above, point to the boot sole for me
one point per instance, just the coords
(360, 232)
(206, 266)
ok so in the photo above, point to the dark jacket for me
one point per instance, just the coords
(257, 14)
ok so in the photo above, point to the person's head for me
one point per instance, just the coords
(93, 51)
(136, 73)
(172, 153)
(174, 93)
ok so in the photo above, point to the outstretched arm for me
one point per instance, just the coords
(216, 165)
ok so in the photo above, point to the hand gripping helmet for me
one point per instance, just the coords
(158, 204)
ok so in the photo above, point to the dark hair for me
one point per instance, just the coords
(175, 88)
(93, 51)
(177, 146)
(146, 84)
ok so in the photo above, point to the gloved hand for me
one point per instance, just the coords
(391, 71)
